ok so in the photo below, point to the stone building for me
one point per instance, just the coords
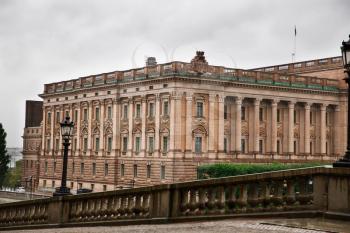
(156, 124)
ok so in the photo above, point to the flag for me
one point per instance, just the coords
(295, 30)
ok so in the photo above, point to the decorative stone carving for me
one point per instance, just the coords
(279, 130)
(245, 131)
(199, 64)
(312, 132)
(296, 131)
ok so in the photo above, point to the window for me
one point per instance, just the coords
(125, 91)
(278, 115)
(199, 109)
(80, 185)
(109, 144)
(97, 114)
(57, 117)
(225, 112)
(165, 85)
(150, 144)
(225, 145)
(261, 114)
(53, 184)
(326, 147)
(82, 168)
(75, 144)
(48, 144)
(97, 143)
(73, 167)
(162, 172)
(243, 113)
(44, 183)
(311, 150)
(54, 166)
(57, 144)
(311, 120)
(96, 93)
(151, 110)
(165, 144)
(49, 117)
(46, 166)
(125, 144)
(94, 169)
(261, 147)
(198, 144)
(75, 115)
(327, 118)
(85, 144)
(151, 87)
(106, 169)
(125, 112)
(166, 108)
(295, 116)
(122, 167)
(75, 97)
(66, 114)
(84, 95)
(137, 89)
(243, 146)
(92, 187)
(278, 147)
(108, 92)
(85, 114)
(137, 144)
(295, 147)
(138, 110)
(135, 170)
(109, 112)
(71, 185)
(104, 188)
(148, 171)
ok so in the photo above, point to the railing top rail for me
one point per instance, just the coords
(26, 202)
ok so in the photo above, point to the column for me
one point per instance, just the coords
(274, 105)
(189, 122)
(211, 111)
(116, 126)
(43, 133)
(131, 120)
(157, 126)
(256, 125)
(337, 147)
(291, 127)
(307, 129)
(89, 128)
(172, 122)
(78, 123)
(178, 122)
(143, 126)
(53, 122)
(221, 123)
(323, 109)
(102, 120)
(238, 132)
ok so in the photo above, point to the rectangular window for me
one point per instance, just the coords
(71, 185)
(58, 117)
(311, 120)
(85, 114)
(199, 109)
(92, 187)
(109, 144)
(48, 146)
(44, 183)
(73, 167)
(261, 114)
(225, 112)
(327, 118)
(46, 167)
(75, 115)
(135, 170)
(49, 118)
(295, 116)
(311, 150)
(225, 145)
(162, 172)
(66, 114)
(125, 144)
(150, 144)
(138, 110)
(165, 144)
(97, 144)
(151, 110)
(243, 146)
(54, 166)
(82, 168)
(57, 144)
(148, 171)
(326, 147)
(198, 144)
(109, 112)
(85, 144)
(53, 184)
(122, 167)
(137, 144)
(97, 114)
(104, 188)
(261, 147)
(243, 113)
(125, 112)
(278, 115)
(295, 147)
(94, 169)
(80, 185)
(75, 144)
(166, 108)
(278, 147)
(106, 169)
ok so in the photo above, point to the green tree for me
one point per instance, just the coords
(4, 156)
(13, 176)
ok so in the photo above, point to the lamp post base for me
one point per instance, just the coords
(62, 191)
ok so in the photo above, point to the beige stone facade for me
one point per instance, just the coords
(156, 124)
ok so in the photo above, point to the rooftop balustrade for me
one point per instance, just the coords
(311, 191)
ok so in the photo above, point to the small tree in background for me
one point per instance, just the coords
(4, 156)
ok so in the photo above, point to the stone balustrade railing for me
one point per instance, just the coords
(300, 191)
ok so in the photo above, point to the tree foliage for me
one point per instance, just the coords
(13, 176)
(4, 156)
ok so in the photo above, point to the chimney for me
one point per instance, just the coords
(151, 61)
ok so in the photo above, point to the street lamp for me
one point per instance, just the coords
(66, 132)
(345, 49)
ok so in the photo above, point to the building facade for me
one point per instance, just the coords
(156, 124)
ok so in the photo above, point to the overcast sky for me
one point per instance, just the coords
(43, 41)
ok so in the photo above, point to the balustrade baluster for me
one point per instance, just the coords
(192, 204)
(253, 194)
(145, 204)
(137, 208)
(201, 200)
(184, 201)
(231, 197)
(220, 199)
(242, 199)
(290, 195)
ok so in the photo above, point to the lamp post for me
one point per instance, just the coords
(345, 49)
(66, 132)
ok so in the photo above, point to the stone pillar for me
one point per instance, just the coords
(43, 133)
(172, 122)
(178, 122)
(221, 123)
(337, 147)
(157, 126)
(291, 127)
(211, 121)
(116, 126)
(89, 128)
(274, 105)
(189, 122)
(78, 123)
(323, 109)
(307, 129)
(143, 120)
(232, 118)
(238, 132)
(131, 120)
(53, 123)
(256, 125)
(102, 120)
